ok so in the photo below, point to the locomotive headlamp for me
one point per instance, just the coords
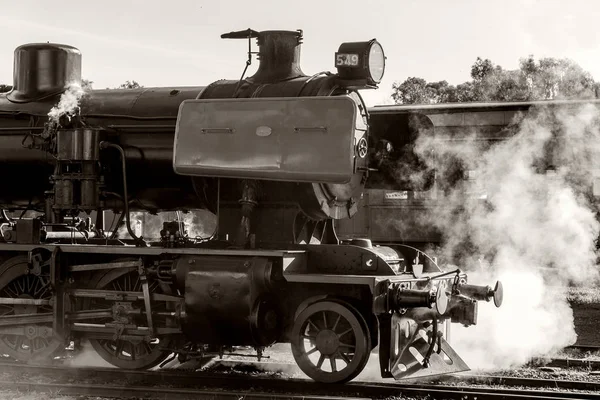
(361, 61)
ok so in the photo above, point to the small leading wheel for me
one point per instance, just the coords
(330, 342)
(131, 354)
(35, 343)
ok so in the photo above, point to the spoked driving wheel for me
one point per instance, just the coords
(330, 342)
(28, 343)
(131, 353)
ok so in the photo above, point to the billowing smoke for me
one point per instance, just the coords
(523, 212)
(68, 103)
(199, 224)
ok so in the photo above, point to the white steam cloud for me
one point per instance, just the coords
(526, 216)
(68, 102)
(199, 224)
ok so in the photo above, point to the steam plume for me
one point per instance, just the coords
(526, 216)
(198, 224)
(68, 102)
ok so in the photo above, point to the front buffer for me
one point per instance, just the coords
(413, 315)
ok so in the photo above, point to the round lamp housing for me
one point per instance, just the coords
(361, 61)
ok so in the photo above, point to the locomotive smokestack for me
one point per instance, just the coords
(279, 55)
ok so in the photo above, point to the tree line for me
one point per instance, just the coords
(545, 79)
(87, 84)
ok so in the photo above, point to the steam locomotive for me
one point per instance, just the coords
(276, 158)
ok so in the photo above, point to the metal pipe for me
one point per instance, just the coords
(483, 293)
(104, 145)
(70, 235)
(434, 339)
(6, 217)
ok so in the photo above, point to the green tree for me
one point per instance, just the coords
(481, 69)
(130, 85)
(412, 91)
(442, 92)
(465, 92)
(552, 78)
(547, 78)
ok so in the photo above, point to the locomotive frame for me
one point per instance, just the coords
(274, 271)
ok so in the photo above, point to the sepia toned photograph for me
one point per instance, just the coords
(391, 200)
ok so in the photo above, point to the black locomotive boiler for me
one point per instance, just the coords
(275, 157)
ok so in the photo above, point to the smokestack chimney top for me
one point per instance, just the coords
(279, 56)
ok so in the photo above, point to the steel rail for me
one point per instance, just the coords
(565, 362)
(153, 392)
(141, 392)
(252, 384)
(589, 347)
(512, 381)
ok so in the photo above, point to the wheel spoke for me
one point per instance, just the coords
(132, 347)
(345, 332)
(147, 347)
(313, 324)
(311, 338)
(343, 356)
(119, 348)
(37, 287)
(30, 283)
(332, 362)
(20, 286)
(43, 292)
(11, 292)
(336, 322)
(348, 346)
(311, 351)
(324, 320)
(20, 340)
(320, 362)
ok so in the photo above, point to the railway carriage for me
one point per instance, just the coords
(395, 211)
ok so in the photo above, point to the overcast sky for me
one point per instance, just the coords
(177, 42)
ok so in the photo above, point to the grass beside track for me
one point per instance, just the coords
(583, 295)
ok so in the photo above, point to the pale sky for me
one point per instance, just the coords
(177, 42)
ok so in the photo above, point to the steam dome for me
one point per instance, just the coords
(44, 69)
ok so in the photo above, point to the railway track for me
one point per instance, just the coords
(569, 363)
(110, 382)
(577, 361)
(141, 392)
(584, 347)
